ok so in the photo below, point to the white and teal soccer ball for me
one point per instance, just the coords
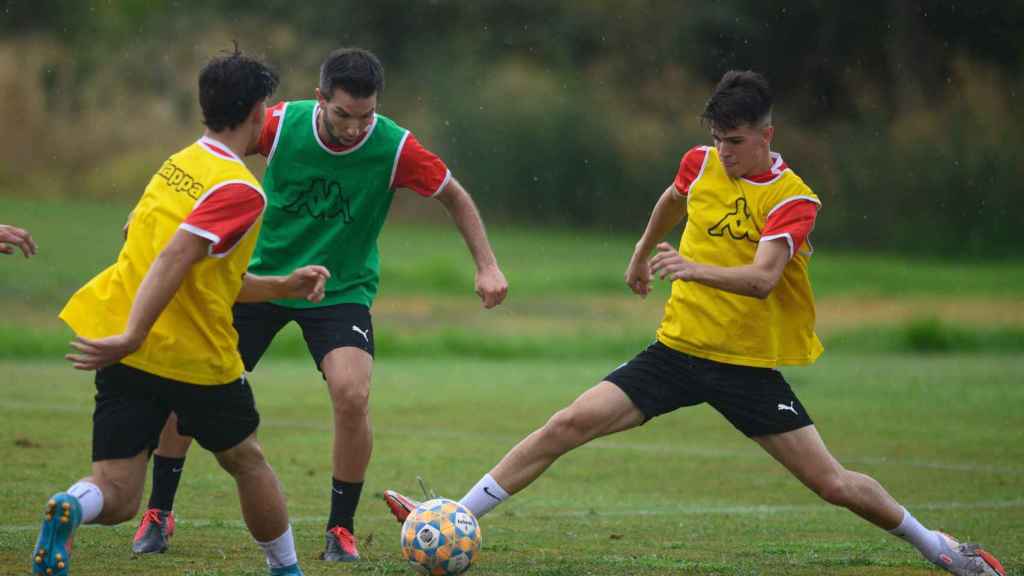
(440, 537)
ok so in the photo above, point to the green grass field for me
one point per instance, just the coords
(920, 387)
(684, 494)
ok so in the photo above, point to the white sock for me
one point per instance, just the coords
(281, 550)
(926, 541)
(89, 497)
(484, 496)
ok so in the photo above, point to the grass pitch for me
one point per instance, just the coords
(683, 494)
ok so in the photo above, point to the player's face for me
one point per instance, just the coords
(345, 119)
(744, 151)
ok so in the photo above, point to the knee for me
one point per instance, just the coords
(121, 500)
(835, 489)
(350, 397)
(565, 428)
(243, 459)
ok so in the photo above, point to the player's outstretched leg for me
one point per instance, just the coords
(601, 410)
(804, 454)
(52, 554)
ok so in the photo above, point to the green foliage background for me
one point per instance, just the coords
(899, 114)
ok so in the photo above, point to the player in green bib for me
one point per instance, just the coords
(333, 166)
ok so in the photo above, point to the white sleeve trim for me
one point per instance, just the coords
(277, 136)
(398, 154)
(213, 238)
(789, 240)
(700, 173)
(793, 199)
(447, 179)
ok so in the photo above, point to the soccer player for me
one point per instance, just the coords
(156, 327)
(12, 237)
(333, 165)
(741, 304)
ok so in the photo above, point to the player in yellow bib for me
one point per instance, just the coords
(157, 328)
(741, 305)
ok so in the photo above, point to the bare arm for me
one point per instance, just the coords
(162, 281)
(304, 283)
(491, 285)
(757, 279)
(158, 287)
(667, 212)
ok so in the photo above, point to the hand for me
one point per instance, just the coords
(669, 263)
(96, 354)
(638, 275)
(11, 237)
(491, 286)
(307, 283)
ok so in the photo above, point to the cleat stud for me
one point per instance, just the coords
(49, 572)
(52, 502)
(49, 516)
(59, 558)
(63, 519)
(60, 565)
(39, 559)
(66, 506)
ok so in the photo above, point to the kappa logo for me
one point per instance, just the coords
(180, 180)
(737, 224)
(364, 333)
(323, 200)
(784, 407)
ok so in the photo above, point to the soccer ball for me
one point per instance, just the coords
(440, 537)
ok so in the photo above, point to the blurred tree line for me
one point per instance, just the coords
(900, 114)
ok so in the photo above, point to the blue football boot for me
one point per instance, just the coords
(52, 554)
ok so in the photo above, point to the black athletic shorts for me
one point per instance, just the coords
(757, 401)
(132, 407)
(324, 328)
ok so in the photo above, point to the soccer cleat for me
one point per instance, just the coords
(52, 554)
(154, 532)
(967, 559)
(292, 570)
(341, 546)
(400, 506)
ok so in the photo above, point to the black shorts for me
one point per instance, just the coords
(132, 407)
(757, 401)
(324, 328)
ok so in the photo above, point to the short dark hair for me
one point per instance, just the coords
(230, 85)
(355, 70)
(741, 97)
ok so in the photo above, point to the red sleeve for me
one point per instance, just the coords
(793, 220)
(271, 121)
(419, 169)
(689, 169)
(225, 215)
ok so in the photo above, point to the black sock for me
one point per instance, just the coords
(166, 473)
(344, 499)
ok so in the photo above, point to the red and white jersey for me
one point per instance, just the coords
(792, 219)
(418, 169)
(224, 214)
